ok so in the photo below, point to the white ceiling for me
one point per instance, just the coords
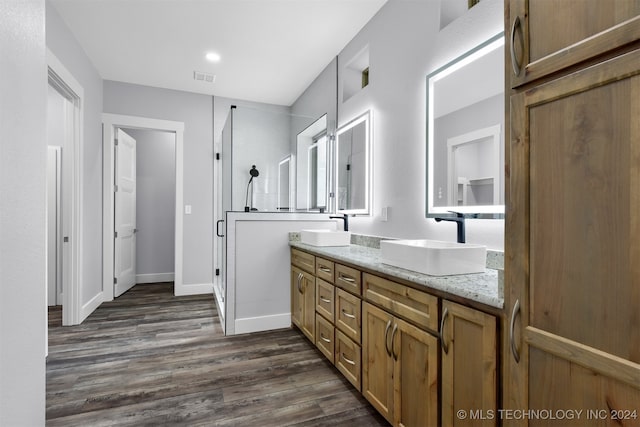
(271, 49)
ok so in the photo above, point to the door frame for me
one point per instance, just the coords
(110, 122)
(63, 81)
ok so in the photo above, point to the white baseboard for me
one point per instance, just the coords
(193, 289)
(262, 323)
(90, 306)
(154, 278)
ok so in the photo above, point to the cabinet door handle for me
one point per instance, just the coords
(324, 269)
(323, 299)
(324, 339)
(514, 313)
(514, 61)
(349, 315)
(393, 336)
(347, 279)
(443, 344)
(346, 359)
(386, 338)
(299, 282)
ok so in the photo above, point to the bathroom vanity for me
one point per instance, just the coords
(418, 347)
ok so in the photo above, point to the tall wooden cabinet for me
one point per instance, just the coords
(572, 238)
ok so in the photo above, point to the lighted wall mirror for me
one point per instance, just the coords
(312, 155)
(465, 133)
(284, 187)
(353, 166)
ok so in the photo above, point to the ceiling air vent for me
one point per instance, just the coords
(204, 77)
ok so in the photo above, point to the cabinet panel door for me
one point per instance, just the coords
(297, 296)
(574, 223)
(309, 306)
(377, 363)
(551, 35)
(469, 357)
(415, 375)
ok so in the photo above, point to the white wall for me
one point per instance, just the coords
(23, 95)
(65, 47)
(405, 45)
(195, 111)
(155, 203)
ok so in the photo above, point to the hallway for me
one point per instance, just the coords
(149, 358)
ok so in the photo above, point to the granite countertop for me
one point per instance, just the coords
(480, 287)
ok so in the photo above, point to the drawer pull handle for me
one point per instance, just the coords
(393, 335)
(323, 299)
(386, 338)
(324, 269)
(347, 279)
(324, 339)
(443, 344)
(514, 60)
(346, 359)
(349, 315)
(514, 350)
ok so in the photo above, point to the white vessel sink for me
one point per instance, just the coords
(434, 257)
(325, 237)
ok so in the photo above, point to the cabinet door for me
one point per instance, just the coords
(297, 295)
(377, 363)
(308, 285)
(469, 356)
(325, 299)
(573, 232)
(549, 35)
(415, 376)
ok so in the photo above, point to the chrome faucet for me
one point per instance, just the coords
(459, 220)
(345, 218)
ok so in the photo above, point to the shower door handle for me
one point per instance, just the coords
(218, 228)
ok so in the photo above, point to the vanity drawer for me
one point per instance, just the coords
(325, 299)
(348, 279)
(348, 359)
(325, 340)
(416, 306)
(324, 269)
(305, 261)
(349, 315)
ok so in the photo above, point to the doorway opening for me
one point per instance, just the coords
(64, 194)
(112, 123)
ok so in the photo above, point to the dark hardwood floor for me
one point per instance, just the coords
(149, 358)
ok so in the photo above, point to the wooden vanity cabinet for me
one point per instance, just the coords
(399, 359)
(469, 359)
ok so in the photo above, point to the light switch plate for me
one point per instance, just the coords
(187, 209)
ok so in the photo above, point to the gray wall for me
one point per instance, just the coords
(23, 94)
(195, 111)
(405, 45)
(65, 47)
(155, 200)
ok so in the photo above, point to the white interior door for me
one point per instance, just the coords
(125, 214)
(54, 227)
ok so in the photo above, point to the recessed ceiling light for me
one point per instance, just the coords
(212, 57)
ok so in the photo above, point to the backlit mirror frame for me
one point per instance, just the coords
(366, 119)
(306, 144)
(477, 211)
